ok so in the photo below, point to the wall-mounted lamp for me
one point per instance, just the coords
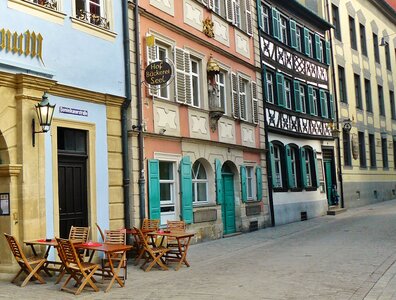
(347, 126)
(45, 112)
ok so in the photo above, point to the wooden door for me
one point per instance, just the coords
(228, 208)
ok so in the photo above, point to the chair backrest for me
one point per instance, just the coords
(116, 237)
(67, 253)
(178, 226)
(15, 248)
(150, 224)
(79, 234)
(100, 231)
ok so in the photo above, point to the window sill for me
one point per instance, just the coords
(279, 190)
(37, 11)
(298, 189)
(373, 168)
(311, 188)
(204, 205)
(93, 30)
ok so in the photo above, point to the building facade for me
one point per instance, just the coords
(71, 175)
(364, 43)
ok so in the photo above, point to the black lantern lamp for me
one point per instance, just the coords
(347, 126)
(45, 112)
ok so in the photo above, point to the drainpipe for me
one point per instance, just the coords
(336, 110)
(124, 114)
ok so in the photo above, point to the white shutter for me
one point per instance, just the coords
(235, 96)
(229, 10)
(152, 55)
(254, 103)
(183, 76)
(249, 25)
(242, 101)
(211, 3)
(204, 2)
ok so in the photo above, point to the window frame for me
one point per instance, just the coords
(283, 29)
(346, 142)
(368, 95)
(363, 40)
(197, 75)
(392, 105)
(278, 164)
(342, 85)
(196, 181)
(222, 87)
(270, 87)
(358, 91)
(171, 182)
(381, 103)
(288, 93)
(384, 151)
(250, 183)
(265, 18)
(376, 48)
(352, 32)
(336, 21)
(362, 149)
(372, 148)
(303, 97)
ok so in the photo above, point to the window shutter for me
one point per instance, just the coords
(204, 2)
(318, 53)
(272, 161)
(210, 3)
(297, 96)
(303, 168)
(259, 183)
(310, 100)
(242, 104)
(293, 34)
(275, 23)
(219, 182)
(323, 104)
(328, 52)
(280, 89)
(331, 105)
(229, 10)
(291, 183)
(154, 189)
(259, 16)
(186, 190)
(249, 25)
(235, 95)
(307, 49)
(243, 184)
(151, 57)
(183, 76)
(316, 169)
(254, 103)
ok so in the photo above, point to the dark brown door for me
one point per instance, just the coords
(72, 179)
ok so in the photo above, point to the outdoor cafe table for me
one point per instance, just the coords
(183, 242)
(49, 243)
(108, 249)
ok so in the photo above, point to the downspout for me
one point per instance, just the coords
(124, 115)
(336, 110)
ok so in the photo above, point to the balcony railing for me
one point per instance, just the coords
(93, 19)
(51, 4)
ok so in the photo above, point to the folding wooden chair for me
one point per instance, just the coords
(150, 224)
(81, 271)
(172, 243)
(30, 265)
(154, 254)
(115, 237)
(147, 226)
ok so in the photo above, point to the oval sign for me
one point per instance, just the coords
(158, 73)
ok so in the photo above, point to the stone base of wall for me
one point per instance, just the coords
(291, 212)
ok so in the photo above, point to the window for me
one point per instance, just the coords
(288, 93)
(303, 99)
(92, 11)
(392, 104)
(270, 87)
(195, 79)
(367, 91)
(265, 18)
(387, 56)
(283, 30)
(293, 158)
(162, 55)
(336, 22)
(376, 49)
(310, 45)
(373, 159)
(362, 150)
(352, 33)
(358, 92)
(308, 167)
(278, 167)
(363, 43)
(250, 187)
(237, 12)
(243, 98)
(384, 153)
(315, 102)
(381, 100)
(298, 38)
(216, 7)
(167, 186)
(394, 154)
(347, 148)
(199, 183)
(342, 84)
(220, 81)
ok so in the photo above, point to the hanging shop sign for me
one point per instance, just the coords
(158, 73)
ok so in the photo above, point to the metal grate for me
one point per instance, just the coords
(253, 226)
(304, 216)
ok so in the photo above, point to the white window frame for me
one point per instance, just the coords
(236, 5)
(310, 44)
(278, 167)
(217, 7)
(308, 169)
(270, 87)
(243, 95)
(222, 90)
(164, 92)
(303, 98)
(315, 101)
(172, 183)
(265, 18)
(283, 29)
(196, 181)
(288, 95)
(197, 88)
(298, 38)
(250, 183)
(293, 158)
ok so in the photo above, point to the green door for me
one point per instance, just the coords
(228, 207)
(329, 181)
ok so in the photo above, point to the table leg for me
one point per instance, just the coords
(115, 271)
(183, 253)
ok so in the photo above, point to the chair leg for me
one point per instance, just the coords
(33, 272)
(88, 280)
(16, 276)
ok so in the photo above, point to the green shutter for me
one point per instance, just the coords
(186, 190)
(219, 182)
(259, 183)
(318, 53)
(328, 52)
(275, 23)
(293, 34)
(316, 168)
(272, 161)
(259, 14)
(323, 103)
(303, 168)
(307, 49)
(331, 106)
(310, 100)
(297, 96)
(154, 189)
(243, 184)
(291, 182)
(280, 89)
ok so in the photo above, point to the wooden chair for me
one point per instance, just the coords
(79, 235)
(81, 271)
(150, 224)
(30, 265)
(100, 231)
(147, 226)
(172, 244)
(154, 254)
(115, 237)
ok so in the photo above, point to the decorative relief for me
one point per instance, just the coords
(242, 44)
(226, 131)
(166, 6)
(166, 118)
(193, 14)
(208, 27)
(248, 136)
(199, 124)
(221, 31)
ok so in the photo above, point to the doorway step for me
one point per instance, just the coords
(335, 210)
(232, 234)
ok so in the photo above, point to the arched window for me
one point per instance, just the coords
(200, 183)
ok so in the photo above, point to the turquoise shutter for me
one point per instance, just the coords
(328, 52)
(280, 89)
(303, 168)
(291, 183)
(307, 49)
(316, 168)
(318, 53)
(219, 182)
(310, 100)
(154, 189)
(243, 184)
(331, 105)
(275, 23)
(297, 96)
(259, 16)
(323, 103)
(293, 34)
(259, 184)
(186, 190)
(272, 161)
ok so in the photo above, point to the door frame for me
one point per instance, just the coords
(223, 206)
